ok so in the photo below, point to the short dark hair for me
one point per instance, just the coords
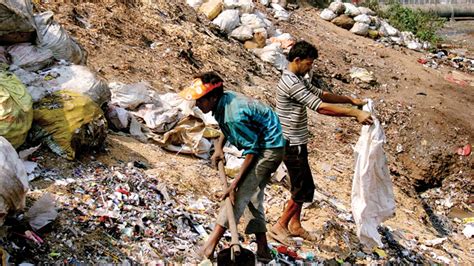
(212, 78)
(303, 50)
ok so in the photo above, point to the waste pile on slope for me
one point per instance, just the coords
(364, 22)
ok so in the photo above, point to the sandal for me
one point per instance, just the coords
(306, 235)
(284, 239)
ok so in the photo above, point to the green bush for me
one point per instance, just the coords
(423, 24)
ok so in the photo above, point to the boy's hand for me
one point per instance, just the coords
(365, 118)
(358, 102)
(216, 157)
(230, 192)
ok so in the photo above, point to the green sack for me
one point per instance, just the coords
(16, 109)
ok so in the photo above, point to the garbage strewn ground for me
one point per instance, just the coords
(135, 197)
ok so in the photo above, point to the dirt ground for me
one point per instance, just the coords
(421, 112)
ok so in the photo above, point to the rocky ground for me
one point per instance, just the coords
(160, 204)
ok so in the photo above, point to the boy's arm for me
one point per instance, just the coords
(328, 97)
(239, 178)
(218, 150)
(363, 117)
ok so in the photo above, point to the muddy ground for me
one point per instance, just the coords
(428, 117)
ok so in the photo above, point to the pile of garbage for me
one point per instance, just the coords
(241, 21)
(49, 95)
(364, 22)
(454, 58)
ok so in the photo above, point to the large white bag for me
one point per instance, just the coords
(373, 200)
(13, 180)
(227, 20)
(30, 57)
(52, 36)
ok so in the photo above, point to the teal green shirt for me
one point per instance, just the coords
(248, 124)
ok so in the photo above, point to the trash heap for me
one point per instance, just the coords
(364, 22)
(454, 58)
(240, 20)
(50, 96)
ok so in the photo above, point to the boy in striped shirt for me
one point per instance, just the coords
(294, 95)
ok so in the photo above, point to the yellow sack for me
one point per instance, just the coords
(212, 8)
(72, 121)
(16, 112)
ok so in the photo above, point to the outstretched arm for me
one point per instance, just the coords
(328, 97)
(363, 117)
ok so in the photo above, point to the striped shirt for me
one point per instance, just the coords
(294, 94)
(248, 124)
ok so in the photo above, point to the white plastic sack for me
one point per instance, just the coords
(280, 12)
(337, 7)
(245, 6)
(159, 119)
(273, 54)
(79, 79)
(42, 212)
(16, 16)
(363, 19)
(130, 96)
(387, 28)
(13, 180)
(242, 33)
(372, 197)
(327, 14)
(30, 57)
(227, 20)
(360, 28)
(36, 84)
(253, 21)
(351, 10)
(52, 36)
(118, 117)
(367, 11)
(194, 3)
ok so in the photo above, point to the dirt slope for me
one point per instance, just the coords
(422, 112)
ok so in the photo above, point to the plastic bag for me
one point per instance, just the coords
(327, 14)
(16, 113)
(158, 118)
(130, 96)
(280, 12)
(337, 7)
(52, 36)
(360, 28)
(69, 122)
(285, 40)
(211, 8)
(16, 16)
(351, 10)
(344, 21)
(227, 20)
(194, 3)
(42, 212)
(242, 33)
(367, 11)
(387, 30)
(363, 19)
(253, 21)
(79, 79)
(273, 54)
(187, 137)
(13, 180)
(244, 6)
(30, 57)
(373, 200)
